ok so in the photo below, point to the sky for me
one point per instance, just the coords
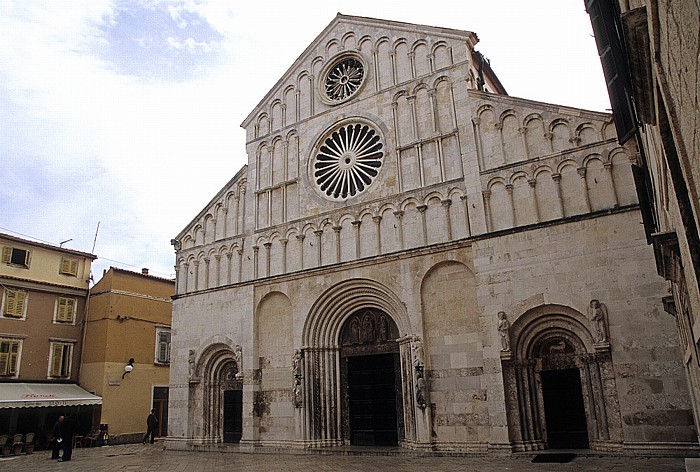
(125, 114)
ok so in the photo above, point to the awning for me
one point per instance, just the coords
(33, 395)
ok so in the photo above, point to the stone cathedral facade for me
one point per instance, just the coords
(412, 257)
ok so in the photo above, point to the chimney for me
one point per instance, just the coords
(144, 271)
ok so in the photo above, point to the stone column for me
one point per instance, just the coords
(237, 200)
(448, 222)
(557, 185)
(196, 275)
(608, 168)
(513, 220)
(268, 251)
(336, 230)
(242, 190)
(356, 227)
(300, 238)
(414, 121)
(318, 234)
(477, 135)
(284, 241)
(584, 187)
(218, 269)
(467, 223)
(549, 136)
(533, 195)
(433, 110)
(523, 135)
(487, 209)
(421, 209)
(398, 214)
(224, 210)
(501, 146)
(178, 282)
(378, 232)
(240, 265)
(187, 277)
(229, 255)
(256, 250)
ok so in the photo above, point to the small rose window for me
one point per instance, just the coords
(343, 79)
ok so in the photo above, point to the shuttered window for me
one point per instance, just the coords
(60, 360)
(65, 310)
(163, 346)
(69, 267)
(9, 353)
(14, 303)
(15, 256)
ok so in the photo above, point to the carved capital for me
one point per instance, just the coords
(267, 245)
(446, 202)
(377, 219)
(532, 182)
(300, 237)
(284, 241)
(337, 228)
(486, 194)
(318, 232)
(356, 223)
(421, 208)
(476, 120)
(581, 171)
(498, 126)
(398, 214)
(556, 178)
(549, 136)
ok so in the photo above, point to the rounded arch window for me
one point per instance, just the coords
(347, 160)
(342, 78)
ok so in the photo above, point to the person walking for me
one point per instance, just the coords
(152, 425)
(68, 429)
(56, 446)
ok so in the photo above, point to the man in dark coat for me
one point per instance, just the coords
(70, 425)
(56, 447)
(152, 425)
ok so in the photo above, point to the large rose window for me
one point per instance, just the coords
(347, 161)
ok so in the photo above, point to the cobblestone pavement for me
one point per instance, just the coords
(137, 457)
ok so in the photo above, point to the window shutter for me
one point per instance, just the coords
(14, 353)
(69, 267)
(27, 258)
(66, 309)
(4, 357)
(164, 346)
(56, 359)
(6, 254)
(14, 302)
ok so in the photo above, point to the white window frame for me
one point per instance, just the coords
(18, 360)
(5, 292)
(57, 307)
(52, 348)
(157, 357)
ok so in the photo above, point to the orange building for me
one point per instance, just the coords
(129, 325)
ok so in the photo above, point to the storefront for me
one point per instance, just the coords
(35, 407)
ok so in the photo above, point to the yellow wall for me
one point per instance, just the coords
(126, 309)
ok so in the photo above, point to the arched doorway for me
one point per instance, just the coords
(349, 329)
(222, 395)
(559, 384)
(370, 379)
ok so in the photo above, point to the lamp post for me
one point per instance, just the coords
(128, 368)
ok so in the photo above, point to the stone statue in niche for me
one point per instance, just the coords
(383, 328)
(418, 354)
(354, 337)
(598, 316)
(296, 364)
(504, 330)
(190, 361)
(298, 400)
(296, 381)
(367, 333)
(420, 388)
(238, 357)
